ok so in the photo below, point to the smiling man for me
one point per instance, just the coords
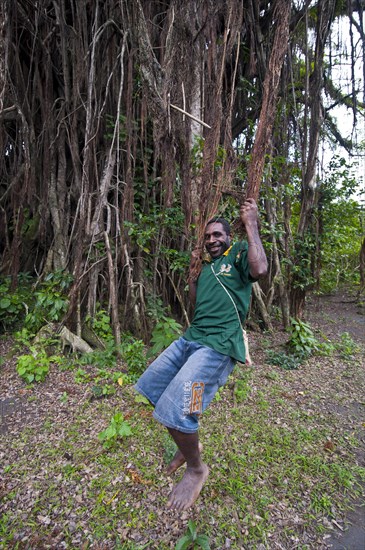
(183, 380)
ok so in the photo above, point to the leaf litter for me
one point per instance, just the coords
(285, 448)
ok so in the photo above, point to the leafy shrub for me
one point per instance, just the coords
(342, 226)
(133, 354)
(191, 539)
(34, 367)
(347, 347)
(23, 338)
(101, 357)
(102, 390)
(164, 333)
(287, 361)
(242, 389)
(118, 428)
(81, 376)
(301, 338)
(101, 324)
(12, 304)
(301, 344)
(50, 300)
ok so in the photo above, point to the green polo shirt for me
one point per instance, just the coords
(215, 323)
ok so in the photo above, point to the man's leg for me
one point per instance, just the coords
(185, 493)
(179, 409)
(155, 379)
(178, 460)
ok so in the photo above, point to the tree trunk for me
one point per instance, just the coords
(265, 317)
(325, 14)
(278, 278)
(269, 100)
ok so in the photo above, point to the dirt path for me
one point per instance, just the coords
(338, 314)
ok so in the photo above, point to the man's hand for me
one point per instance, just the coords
(195, 258)
(194, 272)
(195, 264)
(249, 212)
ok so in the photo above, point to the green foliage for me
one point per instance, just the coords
(177, 260)
(301, 344)
(342, 226)
(34, 367)
(301, 267)
(155, 308)
(335, 242)
(301, 338)
(23, 338)
(51, 301)
(191, 540)
(10, 308)
(101, 357)
(30, 225)
(117, 429)
(81, 376)
(242, 389)
(110, 124)
(165, 332)
(142, 233)
(220, 158)
(197, 154)
(347, 347)
(287, 361)
(13, 304)
(144, 230)
(102, 390)
(101, 325)
(340, 244)
(133, 354)
(169, 447)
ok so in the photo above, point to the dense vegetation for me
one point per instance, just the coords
(126, 125)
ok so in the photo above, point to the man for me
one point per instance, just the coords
(183, 380)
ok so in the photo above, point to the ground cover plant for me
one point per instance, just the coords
(285, 447)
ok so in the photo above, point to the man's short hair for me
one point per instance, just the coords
(225, 224)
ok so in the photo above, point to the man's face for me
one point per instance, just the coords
(216, 240)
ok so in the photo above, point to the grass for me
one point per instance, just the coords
(282, 468)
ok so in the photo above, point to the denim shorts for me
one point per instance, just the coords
(182, 382)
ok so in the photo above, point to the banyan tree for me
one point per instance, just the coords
(126, 124)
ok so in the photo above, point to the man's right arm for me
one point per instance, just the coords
(256, 255)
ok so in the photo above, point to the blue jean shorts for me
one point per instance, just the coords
(182, 382)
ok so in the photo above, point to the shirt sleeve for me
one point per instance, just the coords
(240, 261)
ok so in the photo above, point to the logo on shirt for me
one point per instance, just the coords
(224, 269)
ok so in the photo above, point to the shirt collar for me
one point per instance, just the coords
(207, 259)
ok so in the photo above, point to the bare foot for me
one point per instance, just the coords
(185, 493)
(178, 461)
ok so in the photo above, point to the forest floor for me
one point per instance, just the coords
(286, 450)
